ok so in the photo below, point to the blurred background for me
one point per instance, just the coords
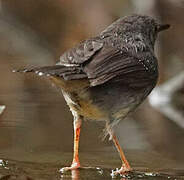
(36, 125)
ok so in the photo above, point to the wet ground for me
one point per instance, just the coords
(50, 171)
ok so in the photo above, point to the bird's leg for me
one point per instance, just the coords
(77, 127)
(125, 165)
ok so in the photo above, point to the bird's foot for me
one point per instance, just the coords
(122, 171)
(74, 166)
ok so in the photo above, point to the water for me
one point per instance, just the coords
(50, 171)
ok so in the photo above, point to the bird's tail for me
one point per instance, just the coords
(46, 70)
(66, 72)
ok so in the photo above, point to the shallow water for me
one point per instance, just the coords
(50, 171)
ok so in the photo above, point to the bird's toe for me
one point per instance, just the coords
(122, 171)
(74, 166)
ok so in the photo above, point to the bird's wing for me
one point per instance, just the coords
(117, 64)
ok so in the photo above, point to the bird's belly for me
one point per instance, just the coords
(85, 107)
(79, 99)
(103, 102)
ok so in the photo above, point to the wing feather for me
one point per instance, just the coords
(111, 63)
(81, 53)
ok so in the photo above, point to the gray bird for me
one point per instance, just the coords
(106, 77)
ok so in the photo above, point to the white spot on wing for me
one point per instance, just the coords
(40, 74)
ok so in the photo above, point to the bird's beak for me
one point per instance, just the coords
(162, 27)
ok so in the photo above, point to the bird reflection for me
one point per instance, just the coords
(75, 174)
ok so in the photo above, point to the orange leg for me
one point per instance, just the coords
(125, 165)
(75, 163)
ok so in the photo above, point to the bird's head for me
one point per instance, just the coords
(142, 26)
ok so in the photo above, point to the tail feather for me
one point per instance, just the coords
(46, 70)
(66, 72)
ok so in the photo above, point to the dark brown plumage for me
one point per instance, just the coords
(108, 76)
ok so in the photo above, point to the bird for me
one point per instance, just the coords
(106, 77)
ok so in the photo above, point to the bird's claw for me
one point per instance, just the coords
(74, 166)
(122, 171)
